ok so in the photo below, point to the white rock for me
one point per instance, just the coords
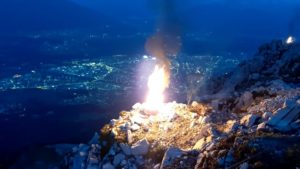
(125, 148)
(93, 160)
(157, 166)
(231, 126)
(261, 126)
(137, 106)
(205, 119)
(245, 165)
(118, 159)
(83, 153)
(267, 115)
(129, 136)
(284, 117)
(78, 162)
(201, 143)
(137, 119)
(113, 122)
(249, 120)
(108, 166)
(74, 149)
(192, 124)
(194, 104)
(245, 100)
(135, 127)
(114, 132)
(139, 160)
(194, 115)
(112, 151)
(170, 155)
(83, 149)
(215, 104)
(123, 163)
(140, 148)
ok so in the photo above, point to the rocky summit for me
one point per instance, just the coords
(250, 119)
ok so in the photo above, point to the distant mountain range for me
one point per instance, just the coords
(32, 15)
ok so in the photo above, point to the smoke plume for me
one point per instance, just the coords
(166, 39)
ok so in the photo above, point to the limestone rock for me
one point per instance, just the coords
(129, 136)
(125, 148)
(231, 126)
(108, 166)
(135, 127)
(245, 101)
(249, 120)
(201, 143)
(245, 165)
(118, 159)
(284, 117)
(140, 148)
(267, 115)
(170, 155)
(261, 126)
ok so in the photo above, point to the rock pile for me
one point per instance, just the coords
(188, 139)
(255, 124)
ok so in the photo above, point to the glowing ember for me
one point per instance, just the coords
(290, 40)
(156, 87)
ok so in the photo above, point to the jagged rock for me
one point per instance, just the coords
(112, 151)
(112, 122)
(284, 117)
(231, 126)
(108, 166)
(118, 159)
(135, 127)
(267, 105)
(129, 136)
(261, 126)
(261, 88)
(140, 148)
(139, 160)
(137, 106)
(267, 115)
(78, 162)
(249, 120)
(245, 101)
(136, 118)
(123, 163)
(170, 155)
(194, 104)
(201, 143)
(114, 132)
(93, 161)
(83, 150)
(125, 148)
(157, 166)
(93, 157)
(205, 119)
(245, 165)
